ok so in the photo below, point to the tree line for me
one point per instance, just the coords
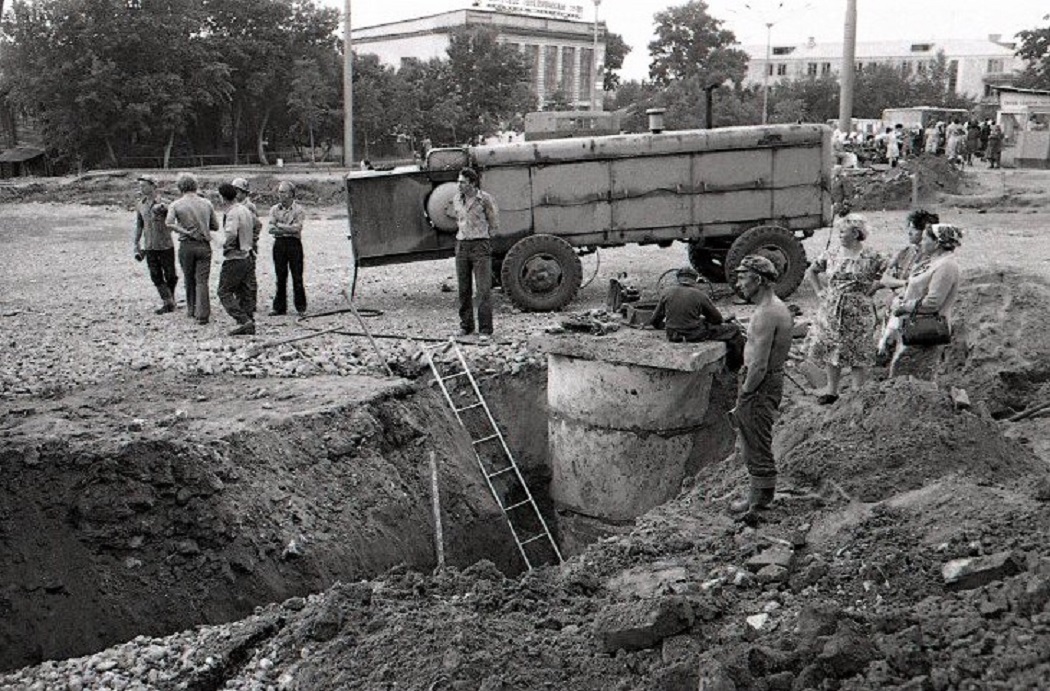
(163, 82)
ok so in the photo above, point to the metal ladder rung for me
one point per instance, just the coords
(485, 439)
(514, 506)
(538, 536)
(457, 375)
(500, 472)
(469, 407)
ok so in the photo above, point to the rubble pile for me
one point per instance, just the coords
(870, 189)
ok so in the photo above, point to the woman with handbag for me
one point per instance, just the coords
(896, 278)
(843, 333)
(925, 307)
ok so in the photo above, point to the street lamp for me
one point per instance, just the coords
(594, 60)
(765, 74)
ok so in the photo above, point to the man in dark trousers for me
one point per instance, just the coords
(761, 379)
(193, 219)
(687, 315)
(286, 227)
(478, 218)
(235, 279)
(152, 242)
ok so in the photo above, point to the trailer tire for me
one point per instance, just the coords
(777, 244)
(709, 263)
(541, 273)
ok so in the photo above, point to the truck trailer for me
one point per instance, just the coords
(725, 193)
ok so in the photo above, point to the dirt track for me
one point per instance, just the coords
(881, 491)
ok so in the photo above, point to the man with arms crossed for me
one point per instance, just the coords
(761, 379)
(286, 227)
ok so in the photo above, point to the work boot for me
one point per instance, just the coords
(757, 498)
(164, 309)
(245, 329)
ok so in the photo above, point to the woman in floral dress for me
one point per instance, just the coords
(843, 334)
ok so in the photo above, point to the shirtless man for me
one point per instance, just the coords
(761, 379)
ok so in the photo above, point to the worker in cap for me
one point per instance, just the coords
(152, 241)
(251, 290)
(761, 381)
(687, 315)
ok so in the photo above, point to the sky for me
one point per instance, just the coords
(793, 21)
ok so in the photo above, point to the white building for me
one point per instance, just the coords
(560, 51)
(975, 66)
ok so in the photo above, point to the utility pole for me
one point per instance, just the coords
(594, 60)
(849, 67)
(348, 92)
(765, 73)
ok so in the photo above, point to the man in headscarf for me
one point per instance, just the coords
(761, 379)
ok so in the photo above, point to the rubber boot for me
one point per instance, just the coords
(757, 498)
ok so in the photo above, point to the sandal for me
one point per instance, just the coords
(827, 398)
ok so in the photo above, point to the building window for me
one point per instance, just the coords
(905, 68)
(921, 47)
(783, 50)
(920, 67)
(782, 69)
(860, 66)
(769, 69)
(989, 91)
(811, 69)
(995, 66)
(953, 75)
(586, 71)
(568, 73)
(550, 71)
(825, 69)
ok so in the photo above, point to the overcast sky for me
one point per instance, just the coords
(793, 20)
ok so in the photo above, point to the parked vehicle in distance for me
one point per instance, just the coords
(725, 193)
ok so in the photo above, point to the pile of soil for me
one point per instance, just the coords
(895, 436)
(1001, 349)
(118, 188)
(872, 190)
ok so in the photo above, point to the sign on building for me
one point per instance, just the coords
(541, 8)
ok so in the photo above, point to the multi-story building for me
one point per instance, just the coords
(975, 67)
(559, 50)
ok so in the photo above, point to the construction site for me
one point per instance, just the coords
(325, 505)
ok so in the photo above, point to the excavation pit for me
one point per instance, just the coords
(154, 505)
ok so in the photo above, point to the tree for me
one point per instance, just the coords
(308, 100)
(373, 100)
(616, 49)
(691, 44)
(490, 81)
(1034, 49)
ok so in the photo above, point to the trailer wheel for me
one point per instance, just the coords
(541, 273)
(710, 263)
(777, 244)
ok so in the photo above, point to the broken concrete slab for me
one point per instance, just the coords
(772, 573)
(966, 574)
(642, 624)
(778, 555)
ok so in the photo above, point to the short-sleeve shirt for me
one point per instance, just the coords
(238, 223)
(477, 217)
(155, 234)
(195, 214)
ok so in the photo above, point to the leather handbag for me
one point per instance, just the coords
(925, 330)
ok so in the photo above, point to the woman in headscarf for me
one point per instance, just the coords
(932, 288)
(843, 334)
(896, 277)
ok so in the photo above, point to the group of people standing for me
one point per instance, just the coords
(849, 331)
(961, 141)
(193, 219)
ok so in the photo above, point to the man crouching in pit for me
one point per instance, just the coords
(761, 379)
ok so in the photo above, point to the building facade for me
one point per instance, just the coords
(975, 67)
(560, 52)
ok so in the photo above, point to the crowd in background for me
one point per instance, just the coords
(957, 140)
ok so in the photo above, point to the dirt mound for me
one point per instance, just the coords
(872, 190)
(893, 437)
(1001, 353)
(117, 188)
